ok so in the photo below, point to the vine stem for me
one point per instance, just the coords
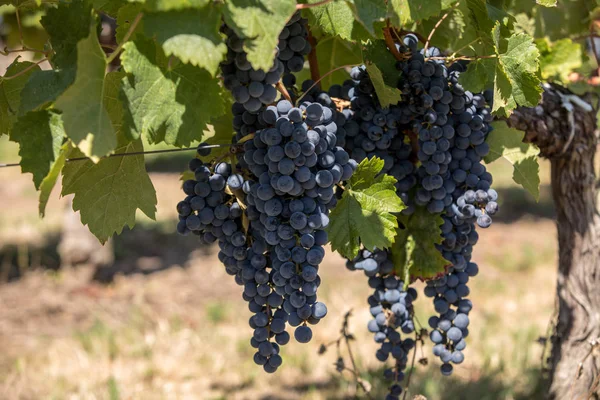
(322, 77)
(317, 4)
(7, 78)
(437, 25)
(132, 27)
(390, 41)
(412, 367)
(281, 88)
(313, 62)
(25, 48)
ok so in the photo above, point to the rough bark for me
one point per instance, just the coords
(574, 363)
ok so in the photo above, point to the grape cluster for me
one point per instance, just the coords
(450, 328)
(433, 143)
(208, 211)
(381, 131)
(216, 215)
(298, 165)
(293, 44)
(252, 89)
(451, 124)
(392, 310)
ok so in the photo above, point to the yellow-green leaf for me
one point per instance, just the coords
(507, 143)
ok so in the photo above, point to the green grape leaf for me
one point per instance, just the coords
(167, 103)
(259, 22)
(449, 32)
(115, 111)
(10, 92)
(84, 115)
(521, 63)
(406, 12)
(23, 5)
(546, 3)
(333, 52)
(479, 75)
(125, 18)
(524, 24)
(111, 100)
(191, 35)
(512, 71)
(336, 19)
(387, 95)
(169, 5)
(508, 143)
(369, 12)
(376, 52)
(66, 25)
(219, 131)
(49, 180)
(559, 59)
(109, 7)
(44, 87)
(40, 135)
(365, 212)
(414, 252)
(107, 194)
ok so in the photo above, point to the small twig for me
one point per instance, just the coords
(132, 27)
(437, 25)
(322, 77)
(317, 4)
(453, 55)
(7, 51)
(19, 26)
(412, 366)
(390, 42)
(467, 58)
(7, 78)
(346, 336)
(414, 143)
(313, 62)
(360, 382)
(281, 88)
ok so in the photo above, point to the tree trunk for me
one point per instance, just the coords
(569, 141)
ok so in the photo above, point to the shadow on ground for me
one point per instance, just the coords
(146, 249)
(484, 385)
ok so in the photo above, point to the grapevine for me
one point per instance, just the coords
(382, 155)
(294, 157)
